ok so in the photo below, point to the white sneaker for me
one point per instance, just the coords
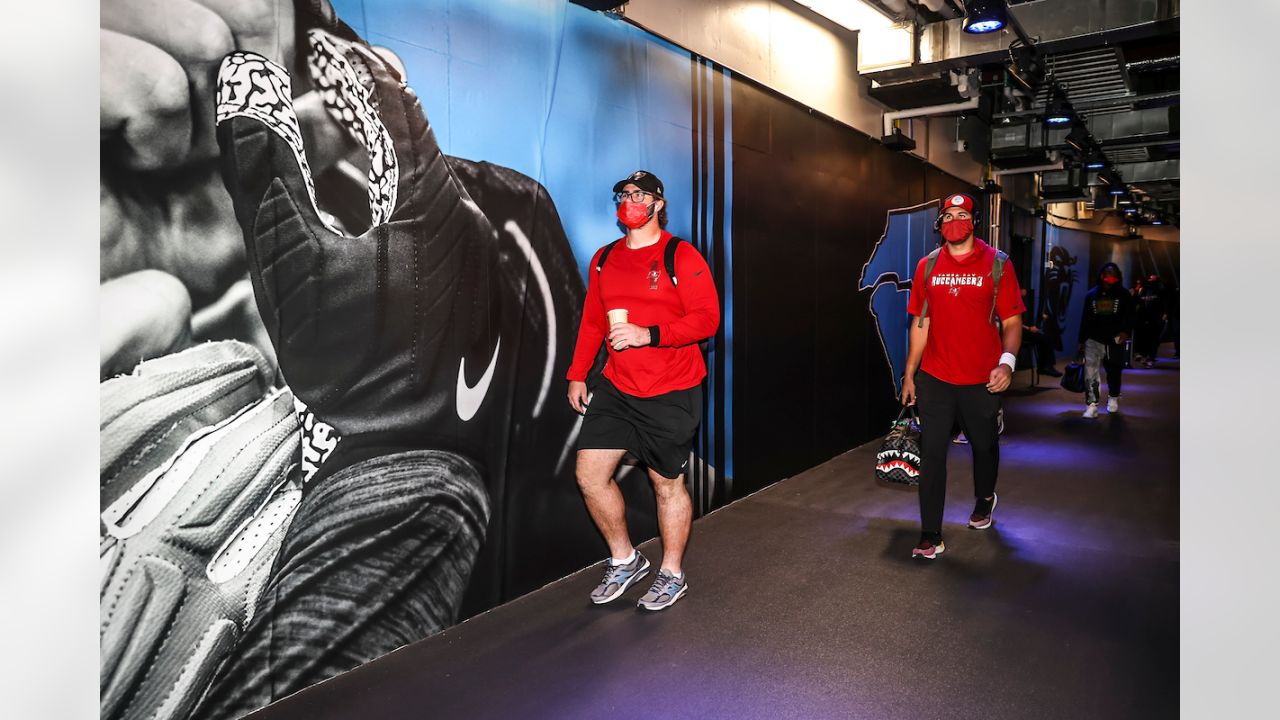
(1113, 404)
(1091, 411)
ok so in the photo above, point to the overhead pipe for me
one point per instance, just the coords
(1029, 169)
(996, 202)
(928, 110)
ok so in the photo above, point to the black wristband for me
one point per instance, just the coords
(653, 336)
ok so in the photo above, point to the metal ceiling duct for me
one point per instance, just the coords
(1060, 25)
(1065, 184)
(1155, 124)
(1149, 172)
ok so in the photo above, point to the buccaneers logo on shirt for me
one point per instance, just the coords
(653, 275)
(955, 280)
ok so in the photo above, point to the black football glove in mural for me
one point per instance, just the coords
(390, 338)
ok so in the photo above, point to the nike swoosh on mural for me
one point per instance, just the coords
(470, 398)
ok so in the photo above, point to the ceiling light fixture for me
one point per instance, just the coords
(850, 15)
(1058, 111)
(985, 16)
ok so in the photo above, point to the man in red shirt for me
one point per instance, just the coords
(649, 400)
(965, 362)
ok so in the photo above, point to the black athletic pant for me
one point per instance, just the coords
(940, 405)
(1044, 348)
(1148, 340)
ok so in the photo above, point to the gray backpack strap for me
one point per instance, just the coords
(997, 271)
(928, 270)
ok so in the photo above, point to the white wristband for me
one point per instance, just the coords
(1009, 359)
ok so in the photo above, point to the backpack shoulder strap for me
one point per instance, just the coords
(669, 258)
(928, 270)
(997, 271)
(604, 255)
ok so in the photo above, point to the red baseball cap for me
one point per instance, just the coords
(959, 200)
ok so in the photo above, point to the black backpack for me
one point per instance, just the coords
(668, 257)
(997, 271)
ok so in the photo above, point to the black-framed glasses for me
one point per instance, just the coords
(633, 196)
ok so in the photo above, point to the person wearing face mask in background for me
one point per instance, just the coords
(1105, 326)
(964, 362)
(649, 400)
(1033, 334)
(1153, 313)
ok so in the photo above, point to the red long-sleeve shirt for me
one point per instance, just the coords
(684, 315)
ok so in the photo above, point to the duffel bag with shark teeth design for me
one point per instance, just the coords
(898, 460)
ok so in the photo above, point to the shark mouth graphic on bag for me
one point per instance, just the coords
(890, 460)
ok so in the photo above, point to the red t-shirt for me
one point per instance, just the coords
(964, 343)
(684, 314)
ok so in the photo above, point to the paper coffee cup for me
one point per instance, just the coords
(617, 316)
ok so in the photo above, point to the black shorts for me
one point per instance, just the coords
(658, 430)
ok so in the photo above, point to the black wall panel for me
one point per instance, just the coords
(811, 198)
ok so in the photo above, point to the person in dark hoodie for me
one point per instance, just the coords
(1152, 314)
(1105, 326)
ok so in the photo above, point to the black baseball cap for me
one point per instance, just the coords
(642, 179)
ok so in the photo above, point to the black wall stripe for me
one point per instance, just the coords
(717, 258)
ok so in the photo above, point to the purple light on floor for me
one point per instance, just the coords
(1043, 452)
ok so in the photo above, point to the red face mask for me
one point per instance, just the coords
(1110, 280)
(634, 215)
(955, 231)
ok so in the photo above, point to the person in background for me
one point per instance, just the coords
(1034, 336)
(1153, 313)
(1105, 326)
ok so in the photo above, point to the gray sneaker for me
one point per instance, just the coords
(617, 578)
(665, 591)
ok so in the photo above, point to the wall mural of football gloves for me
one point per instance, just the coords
(215, 560)
(418, 354)
(218, 568)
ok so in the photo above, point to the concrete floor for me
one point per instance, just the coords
(804, 602)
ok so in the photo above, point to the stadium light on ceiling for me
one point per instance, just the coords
(985, 16)
(1058, 111)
